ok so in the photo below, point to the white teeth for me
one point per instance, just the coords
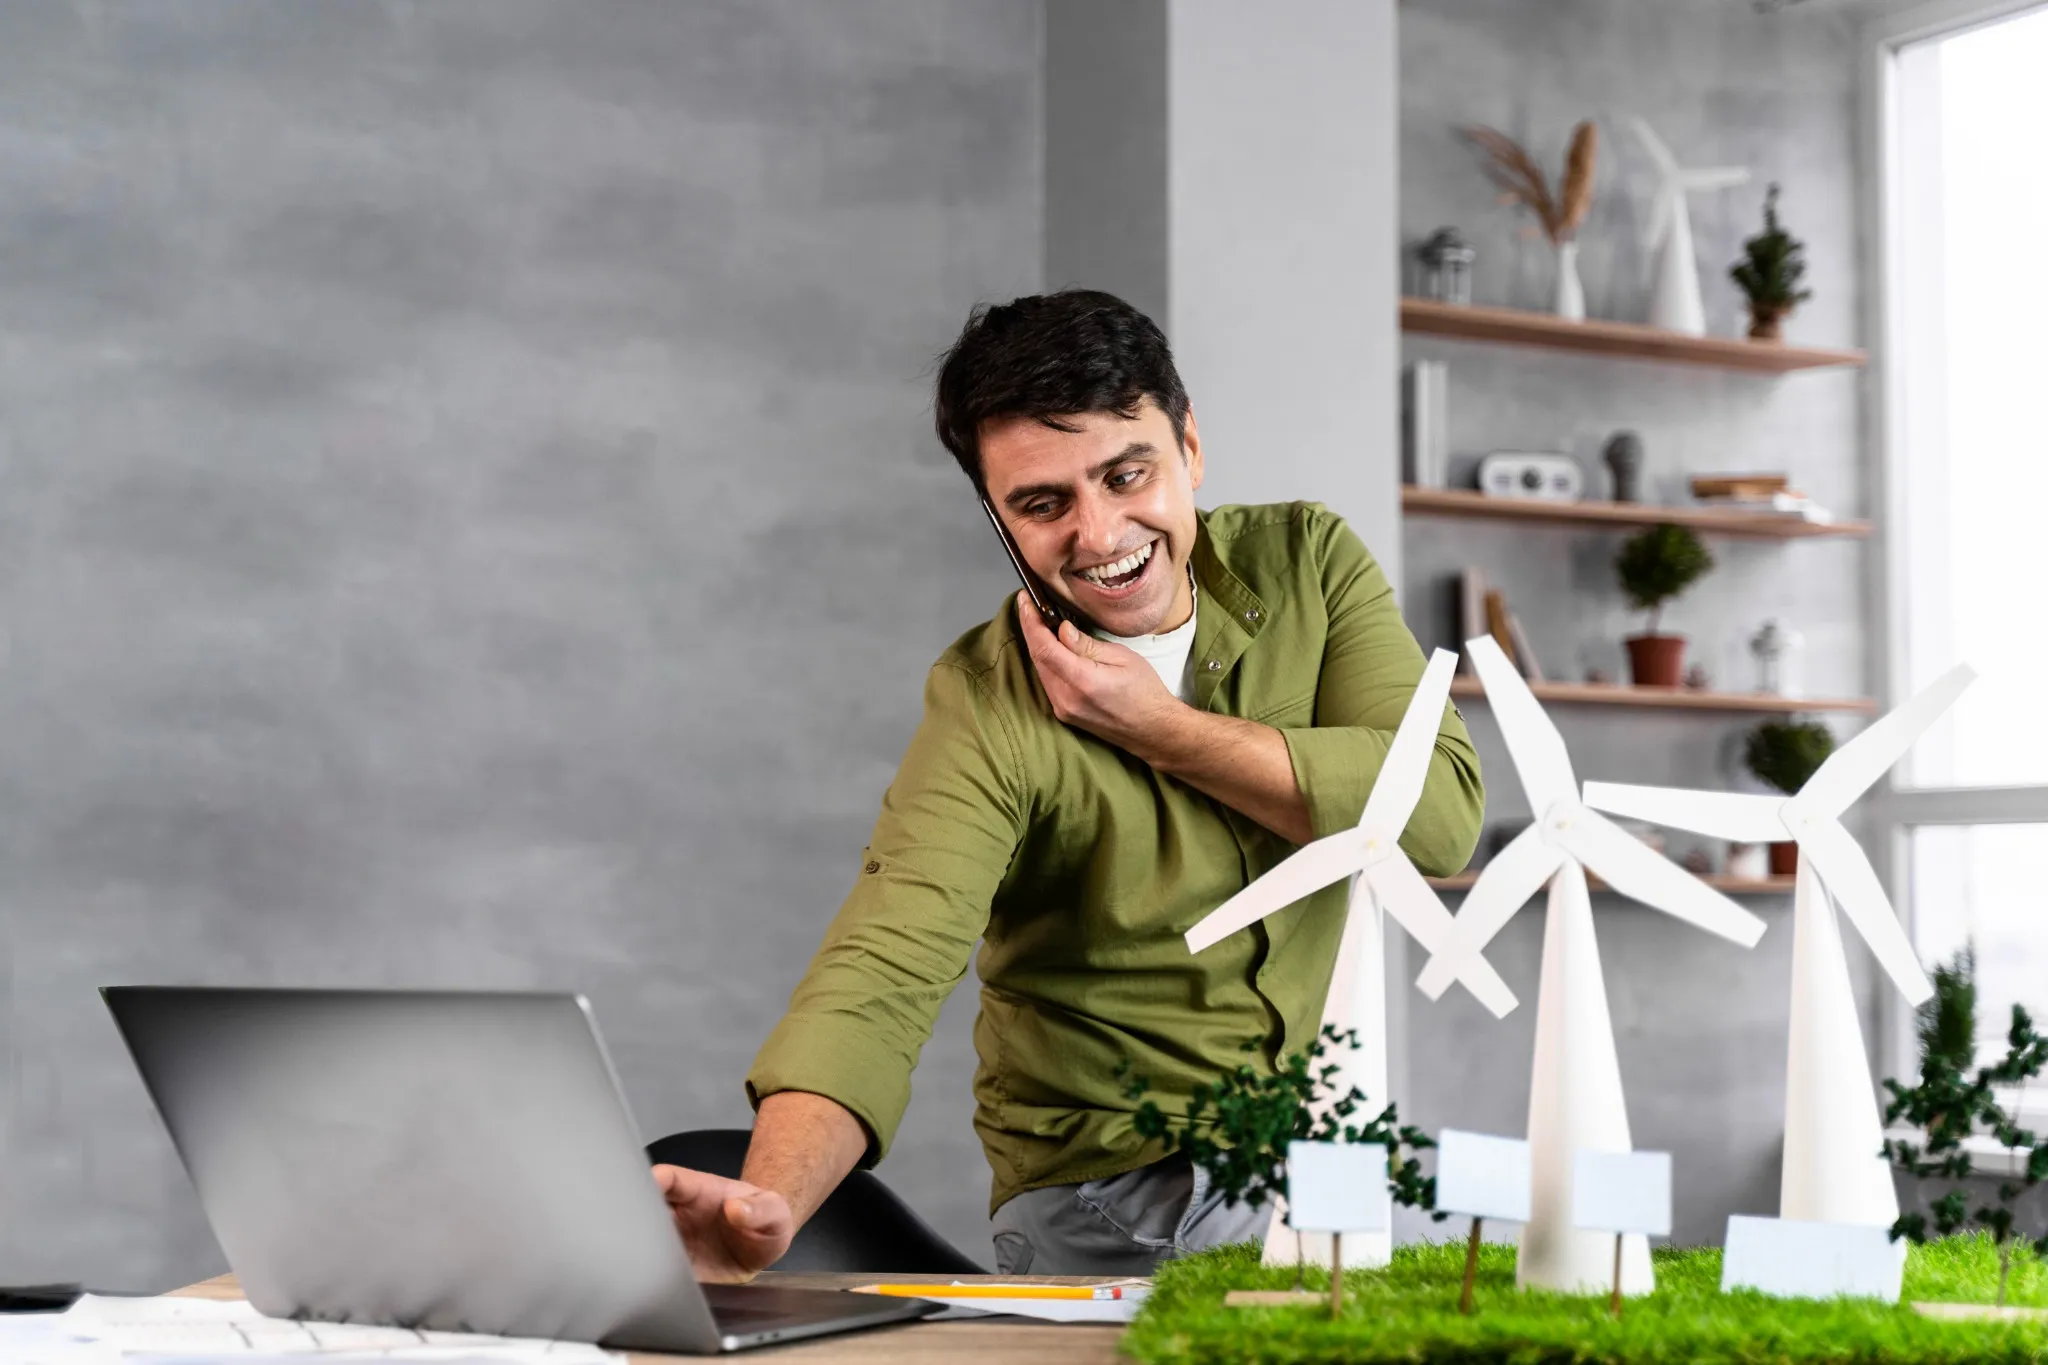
(1121, 567)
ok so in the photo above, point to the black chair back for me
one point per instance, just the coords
(862, 1228)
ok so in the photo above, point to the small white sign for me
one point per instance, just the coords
(1794, 1260)
(1482, 1176)
(1622, 1192)
(1338, 1187)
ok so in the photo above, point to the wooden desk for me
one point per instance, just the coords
(912, 1344)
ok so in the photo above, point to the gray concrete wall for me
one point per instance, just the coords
(1700, 1023)
(471, 520)
(1282, 248)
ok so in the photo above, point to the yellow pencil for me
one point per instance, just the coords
(1001, 1291)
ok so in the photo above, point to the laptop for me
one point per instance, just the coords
(443, 1160)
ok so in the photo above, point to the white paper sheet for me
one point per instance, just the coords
(101, 1328)
(1338, 1187)
(1622, 1192)
(1794, 1260)
(1482, 1176)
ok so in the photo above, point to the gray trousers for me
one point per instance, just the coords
(1120, 1225)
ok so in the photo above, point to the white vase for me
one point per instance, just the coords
(1571, 295)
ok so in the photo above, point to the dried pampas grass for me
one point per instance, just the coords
(1522, 181)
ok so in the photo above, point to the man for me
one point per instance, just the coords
(1076, 802)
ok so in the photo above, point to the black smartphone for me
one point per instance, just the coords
(1051, 610)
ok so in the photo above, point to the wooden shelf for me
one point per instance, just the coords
(1467, 502)
(1518, 327)
(1734, 886)
(1672, 698)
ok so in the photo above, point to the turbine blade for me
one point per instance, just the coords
(1855, 767)
(1399, 785)
(1853, 883)
(1533, 741)
(1505, 885)
(1637, 871)
(1667, 164)
(1715, 177)
(1735, 816)
(1414, 906)
(1302, 873)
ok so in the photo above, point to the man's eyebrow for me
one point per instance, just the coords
(1136, 450)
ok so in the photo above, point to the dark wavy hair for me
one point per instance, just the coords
(1050, 357)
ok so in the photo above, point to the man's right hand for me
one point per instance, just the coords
(732, 1230)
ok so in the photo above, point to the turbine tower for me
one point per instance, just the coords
(1384, 883)
(1835, 1170)
(1575, 1098)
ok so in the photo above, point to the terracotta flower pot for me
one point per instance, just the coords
(1767, 321)
(1656, 660)
(1784, 859)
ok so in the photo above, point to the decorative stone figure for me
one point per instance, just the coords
(1624, 455)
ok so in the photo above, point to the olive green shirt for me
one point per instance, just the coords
(1079, 868)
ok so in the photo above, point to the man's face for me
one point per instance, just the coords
(1105, 514)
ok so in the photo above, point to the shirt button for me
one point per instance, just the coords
(1213, 666)
(874, 867)
(1252, 615)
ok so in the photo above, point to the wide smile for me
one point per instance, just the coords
(1121, 579)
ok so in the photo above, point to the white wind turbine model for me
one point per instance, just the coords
(1385, 882)
(1675, 294)
(1834, 1168)
(1575, 1098)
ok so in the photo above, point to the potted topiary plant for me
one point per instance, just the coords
(1784, 754)
(1655, 566)
(1769, 272)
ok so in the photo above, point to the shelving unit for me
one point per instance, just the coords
(1469, 503)
(1733, 886)
(1518, 327)
(1673, 698)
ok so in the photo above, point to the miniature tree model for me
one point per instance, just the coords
(1785, 754)
(1773, 263)
(1238, 1129)
(1948, 1106)
(1654, 566)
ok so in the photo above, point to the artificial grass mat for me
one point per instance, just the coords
(1408, 1312)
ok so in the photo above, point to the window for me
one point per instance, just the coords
(1964, 385)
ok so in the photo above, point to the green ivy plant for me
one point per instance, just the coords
(1772, 265)
(1238, 1129)
(1657, 564)
(1948, 1104)
(1785, 754)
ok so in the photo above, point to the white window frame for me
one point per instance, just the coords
(1892, 812)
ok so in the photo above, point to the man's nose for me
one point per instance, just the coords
(1097, 528)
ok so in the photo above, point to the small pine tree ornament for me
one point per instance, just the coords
(1773, 263)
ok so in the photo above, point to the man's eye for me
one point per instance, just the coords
(1124, 478)
(1041, 509)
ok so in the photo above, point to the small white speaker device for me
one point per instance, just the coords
(1515, 474)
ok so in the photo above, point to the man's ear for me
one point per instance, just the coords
(1191, 450)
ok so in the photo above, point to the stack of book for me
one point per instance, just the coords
(1759, 493)
(1483, 610)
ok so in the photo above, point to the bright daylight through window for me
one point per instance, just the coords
(1972, 294)
(1969, 461)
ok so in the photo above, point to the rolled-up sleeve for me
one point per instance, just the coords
(1371, 665)
(950, 824)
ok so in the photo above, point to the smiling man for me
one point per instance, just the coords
(1076, 801)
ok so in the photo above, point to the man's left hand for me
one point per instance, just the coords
(1100, 687)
